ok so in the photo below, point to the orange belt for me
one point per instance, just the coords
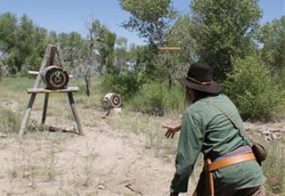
(229, 161)
(225, 162)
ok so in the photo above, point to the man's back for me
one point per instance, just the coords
(212, 125)
(223, 139)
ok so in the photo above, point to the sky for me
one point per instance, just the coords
(74, 15)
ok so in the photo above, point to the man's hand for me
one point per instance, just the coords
(171, 130)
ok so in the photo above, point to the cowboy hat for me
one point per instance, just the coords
(200, 78)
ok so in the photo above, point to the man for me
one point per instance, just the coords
(211, 125)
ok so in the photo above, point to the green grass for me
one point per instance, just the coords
(274, 168)
(9, 121)
(155, 97)
(16, 84)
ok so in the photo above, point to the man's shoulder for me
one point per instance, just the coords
(197, 109)
(202, 106)
(197, 106)
(205, 101)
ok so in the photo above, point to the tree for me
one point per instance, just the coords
(27, 54)
(21, 42)
(272, 37)
(101, 46)
(72, 45)
(108, 55)
(52, 37)
(121, 54)
(151, 19)
(174, 64)
(8, 28)
(146, 62)
(134, 54)
(8, 31)
(223, 29)
(180, 36)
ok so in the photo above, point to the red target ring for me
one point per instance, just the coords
(55, 77)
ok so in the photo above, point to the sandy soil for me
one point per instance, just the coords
(106, 161)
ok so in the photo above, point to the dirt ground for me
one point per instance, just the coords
(105, 162)
(113, 158)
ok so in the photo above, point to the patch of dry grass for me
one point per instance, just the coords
(274, 168)
(9, 121)
(150, 127)
(26, 167)
(30, 167)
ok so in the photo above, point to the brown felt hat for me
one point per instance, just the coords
(200, 78)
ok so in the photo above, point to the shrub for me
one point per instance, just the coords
(174, 98)
(251, 87)
(281, 76)
(156, 98)
(126, 84)
(149, 99)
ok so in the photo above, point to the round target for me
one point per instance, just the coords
(116, 101)
(55, 77)
(112, 100)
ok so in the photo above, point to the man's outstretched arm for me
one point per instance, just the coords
(189, 146)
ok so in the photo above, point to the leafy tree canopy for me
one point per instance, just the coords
(151, 19)
(273, 37)
(223, 29)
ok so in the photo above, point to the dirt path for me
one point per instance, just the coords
(105, 162)
(109, 160)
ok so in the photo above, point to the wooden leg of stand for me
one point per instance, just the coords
(73, 108)
(27, 114)
(45, 109)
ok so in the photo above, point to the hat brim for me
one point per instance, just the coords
(213, 88)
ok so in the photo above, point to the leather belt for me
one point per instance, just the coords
(229, 161)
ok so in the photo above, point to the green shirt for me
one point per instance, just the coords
(206, 129)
